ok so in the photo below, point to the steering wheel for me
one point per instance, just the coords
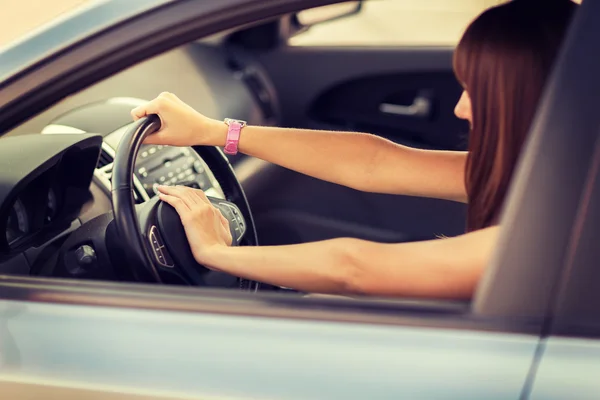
(152, 235)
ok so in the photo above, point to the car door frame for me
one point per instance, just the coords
(569, 351)
(72, 68)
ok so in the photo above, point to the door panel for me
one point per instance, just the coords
(409, 107)
(569, 369)
(289, 207)
(314, 83)
(227, 356)
(406, 95)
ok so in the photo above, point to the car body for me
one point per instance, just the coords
(531, 330)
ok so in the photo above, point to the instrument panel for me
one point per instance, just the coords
(29, 213)
(41, 194)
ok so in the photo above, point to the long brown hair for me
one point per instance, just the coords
(503, 60)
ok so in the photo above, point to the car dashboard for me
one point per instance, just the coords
(158, 165)
(43, 193)
(43, 211)
(35, 208)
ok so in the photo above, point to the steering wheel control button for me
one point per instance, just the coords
(85, 256)
(198, 167)
(160, 252)
(234, 216)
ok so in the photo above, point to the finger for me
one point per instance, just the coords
(191, 194)
(178, 204)
(228, 237)
(144, 110)
(138, 112)
(201, 195)
(167, 95)
(198, 194)
(224, 221)
(165, 189)
(183, 192)
(156, 106)
(171, 96)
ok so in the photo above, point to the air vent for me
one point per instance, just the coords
(104, 159)
(104, 174)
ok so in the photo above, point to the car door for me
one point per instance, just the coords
(569, 356)
(386, 70)
(68, 340)
(171, 342)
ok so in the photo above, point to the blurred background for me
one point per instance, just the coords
(384, 22)
(18, 17)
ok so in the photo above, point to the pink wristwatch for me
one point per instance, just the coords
(233, 135)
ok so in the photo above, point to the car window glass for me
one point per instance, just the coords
(396, 23)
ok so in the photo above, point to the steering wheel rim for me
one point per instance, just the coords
(124, 210)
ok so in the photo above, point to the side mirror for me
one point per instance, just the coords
(318, 15)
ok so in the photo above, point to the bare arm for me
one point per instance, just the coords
(357, 160)
(361, 161)
(443, 268)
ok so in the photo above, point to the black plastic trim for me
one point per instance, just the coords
(573, 329)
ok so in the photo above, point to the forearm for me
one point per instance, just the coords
(318, 267)
(357, 160)
(339, 157)
(441, 268)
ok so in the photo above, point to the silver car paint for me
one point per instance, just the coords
(207, 355)
(63, 32)
(570, 369)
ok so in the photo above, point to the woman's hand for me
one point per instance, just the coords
(205, 227)
(181, 125)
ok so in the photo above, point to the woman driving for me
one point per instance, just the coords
(502, 61)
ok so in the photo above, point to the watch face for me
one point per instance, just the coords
(229, 121)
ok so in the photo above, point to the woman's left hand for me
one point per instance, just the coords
(205, 227)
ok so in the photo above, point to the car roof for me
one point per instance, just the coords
(79, 24)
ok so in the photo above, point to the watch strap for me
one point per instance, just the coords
(233, 136)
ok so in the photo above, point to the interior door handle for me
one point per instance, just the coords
(420, 108)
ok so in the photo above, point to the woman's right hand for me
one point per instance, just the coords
(181, 125)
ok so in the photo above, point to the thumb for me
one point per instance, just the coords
(156, 106)
(143, 110)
